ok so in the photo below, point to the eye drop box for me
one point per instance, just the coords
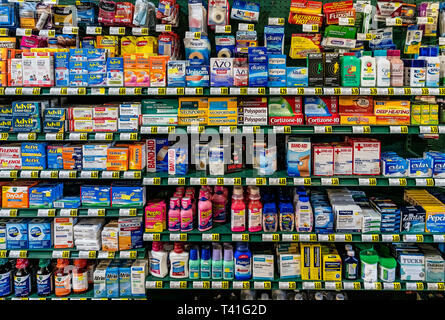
(99, 279)
(263, 267)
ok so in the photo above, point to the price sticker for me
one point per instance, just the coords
(397, 182)
(394, 21)
(3, 254)
(119, 31)
(94, 30)
(271, 237)
(152, 236)
(333, 285)
(4, 32)
(240, 237)
(429, 129)
(4, 136)
(342, 21)
(361, 129)
(322, 129)
(330, 181)
(223, 29)
(132, 254)
(428, 182)
(370, 238)
(241, 285)
(178, 237)
(61, 254)
(21, 254)
(390, 238)
(290, 237)
(46, 212)
(139, 31)
(312, 285)
(70, 30)
(8, 212)
(367, 182)
(310, 27)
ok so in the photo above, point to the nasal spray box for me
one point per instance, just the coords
(298, 157)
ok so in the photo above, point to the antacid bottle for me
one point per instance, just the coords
(368, 70)
(255, 210)
(204, 211)
(174, 215)
(219, 201)
(238, 210)
(396, 68)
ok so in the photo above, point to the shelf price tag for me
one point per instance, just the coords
(397, 182)
(390, 238)
(128, 136)
(310, 27)
(333, 285)
(61, 254)
(373, 285)
(75, 136)
(110, 175)
(302, 181)
(428, 182)
(220, 284)
(240, 237)
(312, 285)
(322, 129)
(54, 136)
(348, 285)
(4, 136)
(152, 236)
(262, 285)
(211, 237)
(176, 181)
(154, 284)
(96, 212)
(413, 238)
(429, 129)
(330, 181)
(194, 91)
(435, 286)
(342, 21)
(67, 174)
(392, 286)
(178, 284)
(163, 28)
(270, 237)
(139, 31)
(178, 237)
(367, 182)
(370, 238)
(68, 212)
(361, 129)
(22, 254)
(27, 136)
(152, 181)
(285, 237)
(277, 181)
(132, 254)
(29, 174)
(118, 31)
(46, 212)
(398, 129)
(228, 129)
(4, 32)
(414, 286)
(8, 212)
(241, 285)
(130, 212)
(223, 29)
(87, 254)
(201, 284)
(311, 237)
(394, 21)
(3, 254)
(287, 285)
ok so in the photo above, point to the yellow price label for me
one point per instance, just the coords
(398, 21)
(215, 237)
(351, 21)
(180, 91)
(407, 91)
(3, 32)
(282, 181)
(121, 31)
(18, 91)
(183, 284)
(122, 91)
(63, 91)
(366, 129)
(171, 129)
(378, 285)
(355, 91)
(34, 174)
(250, 27)
(161, 91)
(133, 136)
(375, 238)
(206, 284)
(295, 237)
(36, 91)
(4, 136)
(115, 174)
(13, 174)
(73, 212)
(434, 129)
(246, 285)
(373, 91)
(158, 284)
(261, 91)
(256, 129)
(397, 286)
(199, 91)
(23, 254)
(154, 130)
(183, 237)
(197, 35)
(441, 91)
(314, 28)
(59, 136)
(267, 285)
(83, 136)
(245, 237)
(224, 90)
(313, 237)
(65, 254)
(228, 28)
(101, 212)
(203, 181)
(220, 181)
(94, 174)
(72, 174)
(13, 212)
(237, 181)
(300, 91)
(156, 237)
(32, 136)
(440, 286)
(331, 237)
(137, 175)
(395, 238)
(181, 181)
(335, 181)
(425, 91)
(98, 30)
(338, 286)
(391, 91)
(91, 254)
(317, 285)
(276, 237)
(243, 91)
(133, 254)
(404, 129)
(419, 286)
(157, 181)
(3, 254)
(402, 182)
(357, 285)
(225, 285)
(429, 182)
(291, 285)
(283, 91)
(348, 237)
(307, 181)
(318, 91)
(368, 36)
(419, 238)
(372, 182)
(337, 91)
(82, 91)
(51, 212)
(260, 181)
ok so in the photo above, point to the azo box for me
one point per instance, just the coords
(221, 72)
(16, 234)
(40, 233)
(298, 157)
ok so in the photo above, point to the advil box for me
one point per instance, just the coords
(323, 159)
(366, 156)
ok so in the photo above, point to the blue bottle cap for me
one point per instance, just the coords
(193, 254)
(424, 51)
(205, 253)
(433, 51)
(379, 53)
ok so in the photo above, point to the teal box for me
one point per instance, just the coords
(127, 194)
(125, 278)
(112, 280)
(26, 108)
(26, 124)
(95, 196)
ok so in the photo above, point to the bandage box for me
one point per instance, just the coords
(298, 157)
(130, 233)
(221, 72)
(63, 232)
(40, 233)
(342, 159)
(17, 234)
(366, 156)
(177, 161)
(263, 267)
(323, 159)
(157, 155)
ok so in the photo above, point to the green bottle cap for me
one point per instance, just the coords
(43, 263)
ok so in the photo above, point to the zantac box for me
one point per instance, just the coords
(366, 156)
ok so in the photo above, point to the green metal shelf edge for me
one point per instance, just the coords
(89, 295)
(70, 174)
(291, 284)
(222, 232)
(223, 91)
(280, 178)
(73, 254)
(83, 212)
(70, 136)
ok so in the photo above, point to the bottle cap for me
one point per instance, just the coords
(240, 246)
(21, 263)
(393, 53)
(178, 247)
(174, 203)
(350, 253)
(228, 253)
(3, 261)
(339, 296)
(203, 195)
(367, 54)
(238, 190)
(433, 51)
(156, 246)
(216, 253)
(186, 203)
(43, 263)
(62, 263)
(218, 189)
(423, 51)
(194, 253)
(254, 190)
(304, 198)
(205, 252)
(379, 53)
(80, 263)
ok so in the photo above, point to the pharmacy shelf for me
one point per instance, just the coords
(280, 178)
(89, 295)
(222, 233)
(70, 174)
(292, 284)
(107, 212)
(245, 129)
(72, 253)
(70, 136)
(224, 91)
(298, 129)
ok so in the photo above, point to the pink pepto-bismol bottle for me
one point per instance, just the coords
(254, 210)
(238, 210)
(219, 202)
(174, 215)
(205, 216)
(186, 214)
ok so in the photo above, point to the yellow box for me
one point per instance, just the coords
(222, 121)
(188, 121)
(193, 107)
(415, 113)
(434, 114)
(223, 107)
(393, 108)
(424, 114)
(357, 119)
(316, 262)
(305, 264)
(331, 267)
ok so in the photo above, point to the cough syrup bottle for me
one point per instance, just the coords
(5, 278)
(80, 276)
(238, 211)
(219, 201)
(62, 278)
(45, 281)
(22, 278)
(255, 210)
(186, 214)
(174, 215)
(205, 215)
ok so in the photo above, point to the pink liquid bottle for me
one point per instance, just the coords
(205, 217)
(254, 210)
(174, 215)
(219, 201)
(238, 210)
(186, 214)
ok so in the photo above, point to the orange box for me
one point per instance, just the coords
(359, 118)
(116, 153)
(136, 155)
(158, 66)
(390, 120)
(117, 165)
(15, 194)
